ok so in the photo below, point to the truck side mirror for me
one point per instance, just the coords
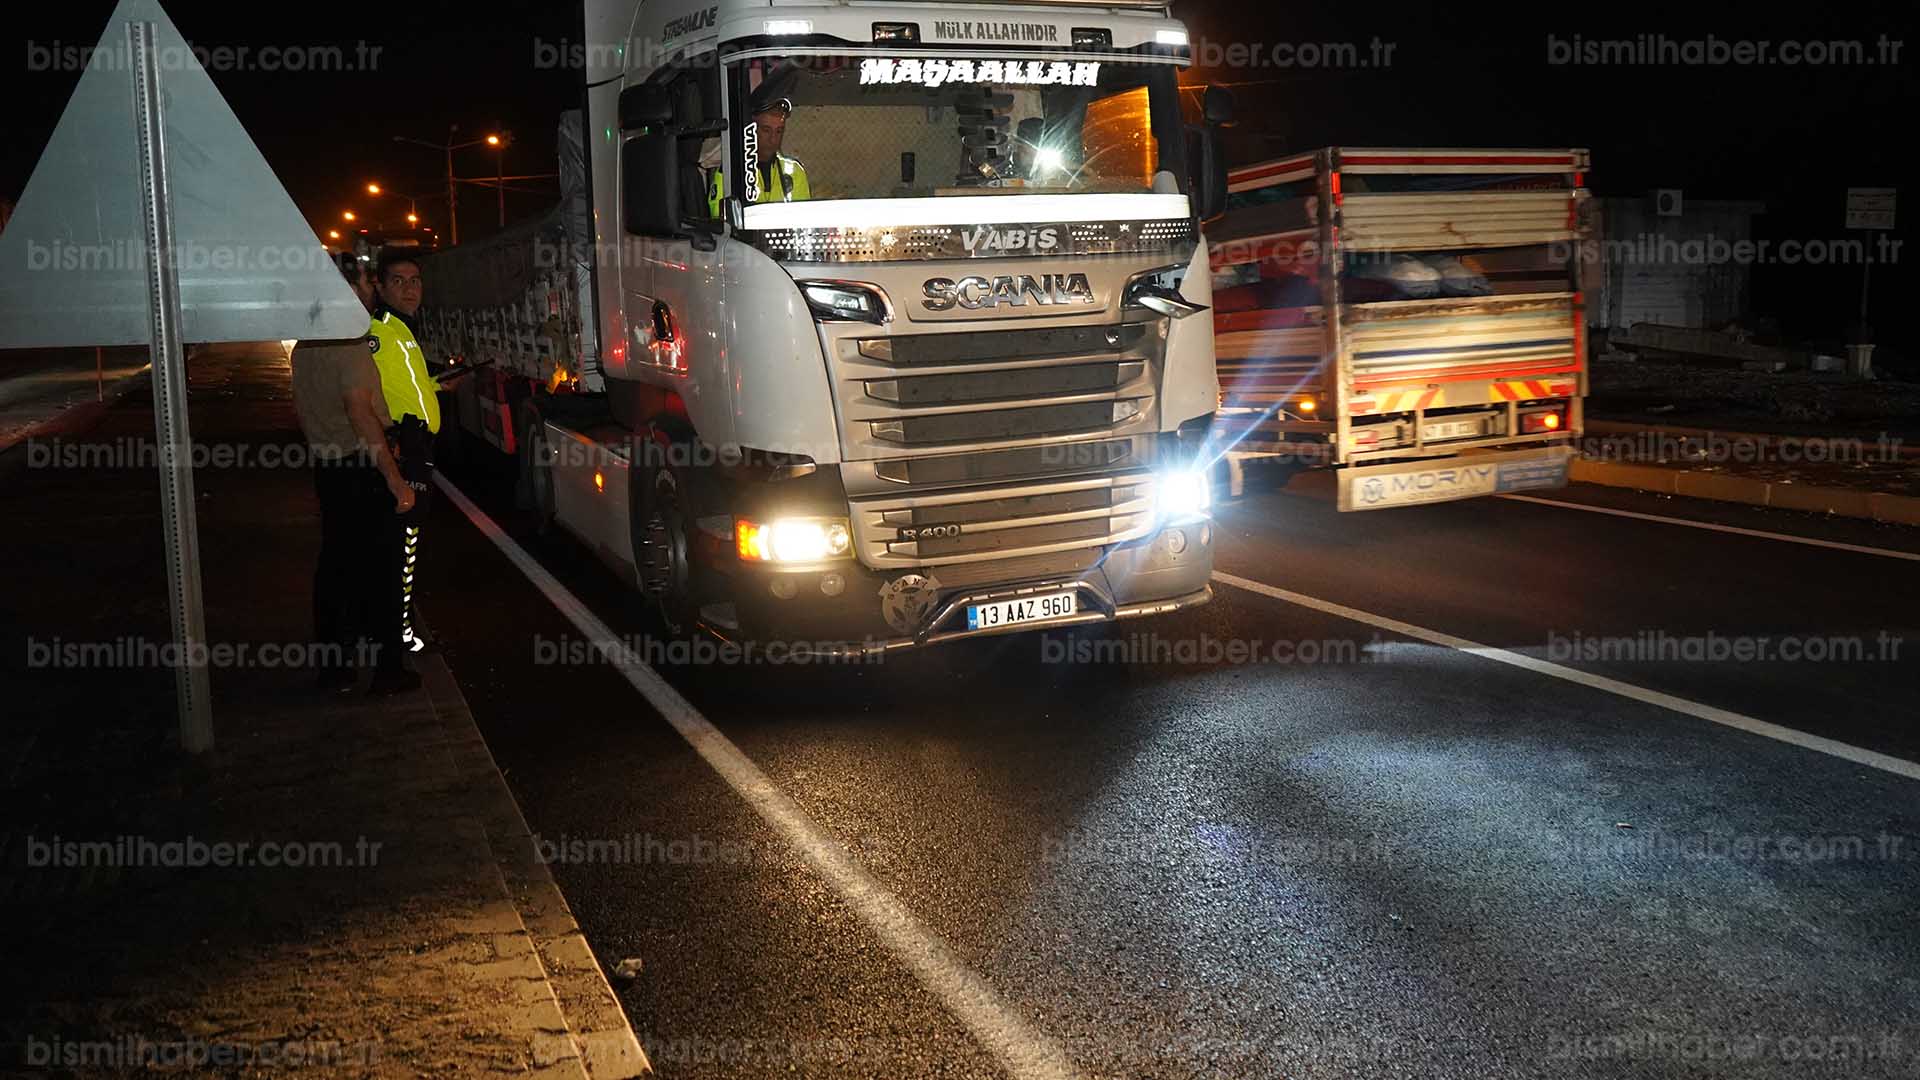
(1210, 159)
(650, 185)
(1209, 174)
(1217, 106)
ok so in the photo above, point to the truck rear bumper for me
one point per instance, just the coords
(1466, 476)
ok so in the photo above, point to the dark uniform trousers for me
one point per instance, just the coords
(355, 603)
(412, 446)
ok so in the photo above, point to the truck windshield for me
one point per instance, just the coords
(876, 126)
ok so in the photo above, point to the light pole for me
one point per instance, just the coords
(500, 143)
(447, 148)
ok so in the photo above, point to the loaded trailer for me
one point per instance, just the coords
(1410, 318)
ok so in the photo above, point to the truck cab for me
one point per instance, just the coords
(901, 329)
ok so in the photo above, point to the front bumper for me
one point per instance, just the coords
(1152, 576)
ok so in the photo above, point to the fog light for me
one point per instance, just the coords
(833, 584)
(1176, 541)
(783, 588)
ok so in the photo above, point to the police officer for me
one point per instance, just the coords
(336, 392)
(415, 410)
(779, 178)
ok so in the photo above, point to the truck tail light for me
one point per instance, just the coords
(1544, 420)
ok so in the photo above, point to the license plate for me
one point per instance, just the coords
(1027, 609)
(1454, 429)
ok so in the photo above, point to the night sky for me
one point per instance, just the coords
(1794, 137)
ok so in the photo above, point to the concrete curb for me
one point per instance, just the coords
(75, 419)
(1724, 487)
(602, 1041)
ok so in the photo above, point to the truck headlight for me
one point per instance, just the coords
(1182, 494)
(1159, 292)
(844, 301)
(792, 540)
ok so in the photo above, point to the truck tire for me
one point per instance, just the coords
(534, 490)
(662, 539)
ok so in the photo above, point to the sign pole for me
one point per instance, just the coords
(170, 400)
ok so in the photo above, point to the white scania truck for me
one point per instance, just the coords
(949, 382)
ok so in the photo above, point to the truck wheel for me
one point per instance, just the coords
(534, 490)
(661, 534)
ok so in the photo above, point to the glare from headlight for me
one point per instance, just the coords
(1183, 495)
(799, 541)
(793, 540)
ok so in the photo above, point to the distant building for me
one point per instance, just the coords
(1672, 261)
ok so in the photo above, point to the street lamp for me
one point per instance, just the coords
(500, 171)
(413, 201)
(348, 216)
(447, 148)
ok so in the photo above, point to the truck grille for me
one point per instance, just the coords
(915, 394)
(969, 526)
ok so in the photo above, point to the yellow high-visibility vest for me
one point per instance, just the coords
(786, 182)
(404, 382)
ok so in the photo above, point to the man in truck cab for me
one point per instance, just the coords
(415, 409)
(780, 178)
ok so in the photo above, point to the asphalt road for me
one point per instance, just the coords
(1354, 852)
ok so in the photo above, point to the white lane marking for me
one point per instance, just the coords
(1734, 529)
(1739, 721)
(1021, 1049)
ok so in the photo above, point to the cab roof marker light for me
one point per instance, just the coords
(964, 210)
(788, 27)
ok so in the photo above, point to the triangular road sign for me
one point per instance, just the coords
(73, 268)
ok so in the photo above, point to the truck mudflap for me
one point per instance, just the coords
(1470, 475)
